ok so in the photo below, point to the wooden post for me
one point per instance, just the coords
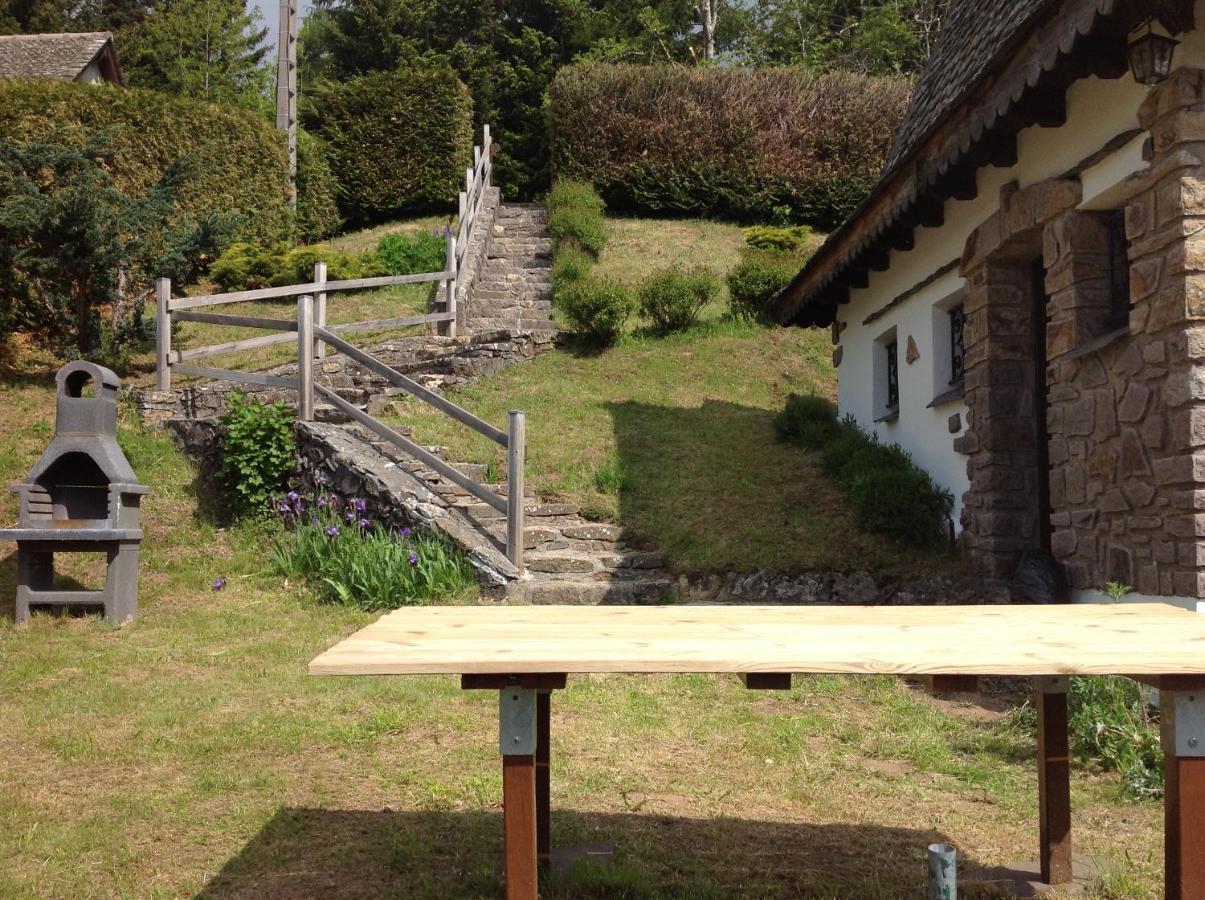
(543, 775)
(464, 205)
(517, 742)
(163, 334)
(1183, 725)
(468, 181)
(449, 327)
(1054, 780)
(516, 452)
(305, 358)
(320, 306)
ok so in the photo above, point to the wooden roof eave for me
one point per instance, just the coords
(980, 131)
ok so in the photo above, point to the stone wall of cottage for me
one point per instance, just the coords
(1126, 409)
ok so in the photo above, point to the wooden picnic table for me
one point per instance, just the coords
(526, 652)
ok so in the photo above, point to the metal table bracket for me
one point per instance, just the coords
(1182, 715)
(517, 721)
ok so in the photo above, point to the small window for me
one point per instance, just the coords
(893, 376)
(957, 351)
(1119, 272)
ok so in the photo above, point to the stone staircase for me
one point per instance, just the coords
(568, 558)
(512, 290)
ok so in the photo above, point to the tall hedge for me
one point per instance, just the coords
(736, 143)
(232, 160)
(399, 141)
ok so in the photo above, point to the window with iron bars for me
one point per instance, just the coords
(893, 375)
(957, 353)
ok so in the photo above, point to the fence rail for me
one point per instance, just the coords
(313, 336)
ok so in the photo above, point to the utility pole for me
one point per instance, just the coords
(286, 86)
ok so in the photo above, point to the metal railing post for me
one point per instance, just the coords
(305, 358)
(320, 306)
(516, 453)
(163, 334)
(450, 265)
(486, 144)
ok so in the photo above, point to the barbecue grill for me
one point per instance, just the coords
(81, 497)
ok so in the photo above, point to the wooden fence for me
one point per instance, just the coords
(312, 335)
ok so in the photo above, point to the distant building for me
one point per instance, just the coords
(88, 58)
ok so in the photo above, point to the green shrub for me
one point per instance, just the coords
(348, 558)
(225, 160)
(807, 421)
(258, 453)
(247, 265)
(673, 298)
(596, 309)
(411, 254)
(724, 140)
(317, 190)
(570, 264)
(1112, 726)
(398, 141)
(575, 216)
(244, 266)
(777, 238)
(888, 493)
(756, 280)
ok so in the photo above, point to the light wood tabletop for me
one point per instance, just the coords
(1122, 639)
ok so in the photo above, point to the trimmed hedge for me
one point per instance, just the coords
(231, 160)
(747, 144)
(399, 141)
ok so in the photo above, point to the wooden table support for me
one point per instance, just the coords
(1182, 718)
(517, 744)
(1054, 779)
(543, 776)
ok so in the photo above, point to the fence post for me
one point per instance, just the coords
(450, 265)
(468, 182)
(305, 358)
(516, 452)
(486, 144)
(320, 306)
(163, 334)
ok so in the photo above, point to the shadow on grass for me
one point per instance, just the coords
(353, 854)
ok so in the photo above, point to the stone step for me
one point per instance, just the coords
(561, 563)
(592, 592)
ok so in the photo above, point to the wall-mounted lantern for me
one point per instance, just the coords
(1150, 56)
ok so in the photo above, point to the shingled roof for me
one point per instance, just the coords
(999, 66)
(64, 56)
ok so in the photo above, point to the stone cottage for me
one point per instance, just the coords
(1020, 302)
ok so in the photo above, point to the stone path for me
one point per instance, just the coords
(512, 292)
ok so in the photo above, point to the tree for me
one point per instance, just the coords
(204, 49)
(77, 256)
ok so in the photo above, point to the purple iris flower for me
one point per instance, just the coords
(412, 557)
(219, 583)
(319, 479)
(405, 532)
(364, 523)
(360, 505)
(333, 531)
(292, 496)
(349, 516)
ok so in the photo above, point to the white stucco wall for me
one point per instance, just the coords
(1097, 112)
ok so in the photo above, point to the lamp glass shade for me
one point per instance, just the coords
(1151, 58)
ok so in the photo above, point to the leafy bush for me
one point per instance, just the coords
(596, 309)
(398, 141)
(673, 298)
(807, 421)
(570, 264)
(77, 255)
(781, 239)
(888, 493)
(317, 190)
(410, 254)
(258, 453)
(575, 216)
(350, 559)
(1112, 726)
(227, 161)
(756, 280)
(723, 140)
(247, 266)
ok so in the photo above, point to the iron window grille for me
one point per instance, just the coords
(893, 375)
(957, 353)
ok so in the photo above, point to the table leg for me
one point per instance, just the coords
(1054, 780)
(543, 775)
(1183, 725)
(517, 743)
